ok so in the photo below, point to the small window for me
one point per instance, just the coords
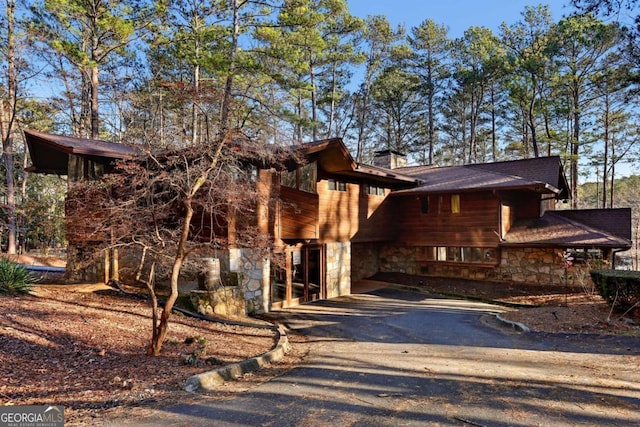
(335, 185)
(374, 190)
(455, 203)
(424, 204)
(581, 256)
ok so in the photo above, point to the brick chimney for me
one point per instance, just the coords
(389, 159)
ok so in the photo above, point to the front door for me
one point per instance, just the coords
(299, 277)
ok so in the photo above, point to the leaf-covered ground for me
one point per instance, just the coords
(84, 347)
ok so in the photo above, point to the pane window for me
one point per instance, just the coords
(453, 254)
(467, 255)
(304, 178)
(424, 204)
(308, 178)
(430, 253)
(375, 190)
(335, 185)
(288, 179)
(81, 168)
(455, 203)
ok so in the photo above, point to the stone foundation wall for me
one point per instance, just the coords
(518, 265)
(255, 270)
(364, 260)
(338, 270)
(542, 266)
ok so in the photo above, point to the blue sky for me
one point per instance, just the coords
(458, 15)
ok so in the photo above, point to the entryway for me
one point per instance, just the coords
(298, 276)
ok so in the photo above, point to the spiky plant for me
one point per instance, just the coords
(14, 278)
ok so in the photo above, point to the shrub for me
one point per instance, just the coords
(621, 288)
(14, 278)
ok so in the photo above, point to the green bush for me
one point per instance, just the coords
(14, 278)
(621, 288)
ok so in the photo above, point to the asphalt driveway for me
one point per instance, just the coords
(392, 357)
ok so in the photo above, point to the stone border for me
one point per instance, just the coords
(515, 325)
(208, 381)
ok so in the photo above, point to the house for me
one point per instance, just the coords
(336, 221)
(497, 221)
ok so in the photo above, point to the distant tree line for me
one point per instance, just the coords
(178, 74)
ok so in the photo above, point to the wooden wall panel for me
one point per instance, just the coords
(299, 214)
(477, 224)
(339, 212)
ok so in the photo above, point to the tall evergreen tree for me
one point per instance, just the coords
(304, 44)
(379, 40)
(431, 48)
(84, 35)
(527, 49)
(579, 46)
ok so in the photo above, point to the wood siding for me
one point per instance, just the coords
(525, 204)
(352, 215)
(476, 225)
(299, 214)
(339, 212)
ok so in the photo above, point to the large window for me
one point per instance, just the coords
(302, 178)
(81, 168)
(462, 254)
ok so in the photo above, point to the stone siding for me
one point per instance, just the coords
(364, 260)
(517, 265)
(338, 271)
(541, 266)
(255, 270)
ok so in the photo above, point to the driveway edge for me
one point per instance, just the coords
(208, 381)
(515, 325)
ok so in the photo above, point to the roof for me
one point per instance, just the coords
(50, 153)
(561, 229)
(334, 157)
(543, 169)
(479, 177)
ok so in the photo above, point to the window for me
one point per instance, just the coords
(468, 255)
(581, 256)
(455, 203)
(424, 204)
(81, 168)
(374, 190)
(308, 178)
(303, 178)
(335, 185)
(288, 179)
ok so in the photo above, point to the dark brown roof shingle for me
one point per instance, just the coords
(558, 229)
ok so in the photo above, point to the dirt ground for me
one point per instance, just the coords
(84, 346)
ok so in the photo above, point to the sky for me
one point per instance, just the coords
(458, 15)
